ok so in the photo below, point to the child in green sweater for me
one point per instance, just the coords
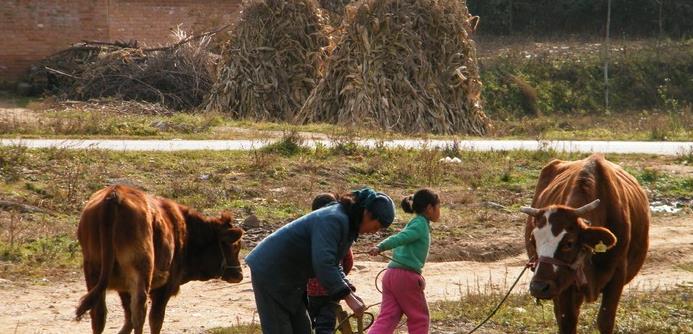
(403, 285)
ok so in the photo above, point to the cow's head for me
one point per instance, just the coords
(562, 239)
(230, 245)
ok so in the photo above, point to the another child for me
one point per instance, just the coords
(321, 307)
(403, 285)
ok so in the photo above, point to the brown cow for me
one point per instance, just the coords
(596, 248)
(146, 246)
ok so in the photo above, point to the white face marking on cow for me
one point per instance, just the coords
(546, 241)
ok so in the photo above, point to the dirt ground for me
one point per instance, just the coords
(49, 307)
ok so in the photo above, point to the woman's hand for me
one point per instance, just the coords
(374, 251)
(356, 304)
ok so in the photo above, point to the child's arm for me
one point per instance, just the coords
(348, 262)
(416, 229)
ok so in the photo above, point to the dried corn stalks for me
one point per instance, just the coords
(272, 61)
(403, 65)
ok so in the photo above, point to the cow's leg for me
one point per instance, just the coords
(127, 323)
(566, 307)
(98, 313)
(611, 295)
(157, 312)
(138, 294)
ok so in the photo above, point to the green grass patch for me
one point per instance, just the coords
(659, 311)
(654, 77)
(239, 329)
(278, 187)
(44, 254)
(664, 184)
(290, 144)
(12, 159)
(641, 312)
(686, 266)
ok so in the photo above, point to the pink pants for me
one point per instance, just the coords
(403, 293)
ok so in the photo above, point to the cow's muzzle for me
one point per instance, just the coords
(232, 274)
(542, 289)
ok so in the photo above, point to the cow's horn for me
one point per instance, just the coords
(587, 207)
(530, 211)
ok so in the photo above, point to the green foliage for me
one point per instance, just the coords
(663, 184)
(453, 150)
(290, 144)
(649, 175)
(653, 312)
(12, 160)
(560, 17)
(685, 156)
(50, 251)
(662, 311)
(277, 188)
(643, 79)
(253, 328)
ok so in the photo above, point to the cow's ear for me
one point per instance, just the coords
(232, 234)
(598, 239)
(226, 218)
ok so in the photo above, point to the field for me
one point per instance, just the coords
(476, 252)
(477, 248)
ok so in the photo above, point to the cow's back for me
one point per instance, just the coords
(624, 207)
(635, 201)
(136, 226)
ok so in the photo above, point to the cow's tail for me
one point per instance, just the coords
(106, 232)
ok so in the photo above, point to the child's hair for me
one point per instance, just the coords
(420, 201)
(322, 200)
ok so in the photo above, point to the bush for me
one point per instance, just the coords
(12, 159)
(650, 78)
(628, 17)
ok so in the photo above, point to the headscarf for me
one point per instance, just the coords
(377, 203)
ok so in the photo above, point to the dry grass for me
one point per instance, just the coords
(480, 195)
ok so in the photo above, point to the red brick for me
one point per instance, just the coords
(69, 21)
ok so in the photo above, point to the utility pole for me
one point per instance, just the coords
(606, 57)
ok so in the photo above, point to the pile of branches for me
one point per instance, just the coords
(272, 61)
(177, 76)
(403, 65)
(114, 106)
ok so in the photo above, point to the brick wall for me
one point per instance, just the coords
(35, 29)
(151, 21)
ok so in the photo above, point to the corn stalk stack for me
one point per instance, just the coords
(272, 61)
(403, 65)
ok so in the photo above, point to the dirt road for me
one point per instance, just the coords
(49, 307)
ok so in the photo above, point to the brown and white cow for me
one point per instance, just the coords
(587, 230)
(145, 246)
